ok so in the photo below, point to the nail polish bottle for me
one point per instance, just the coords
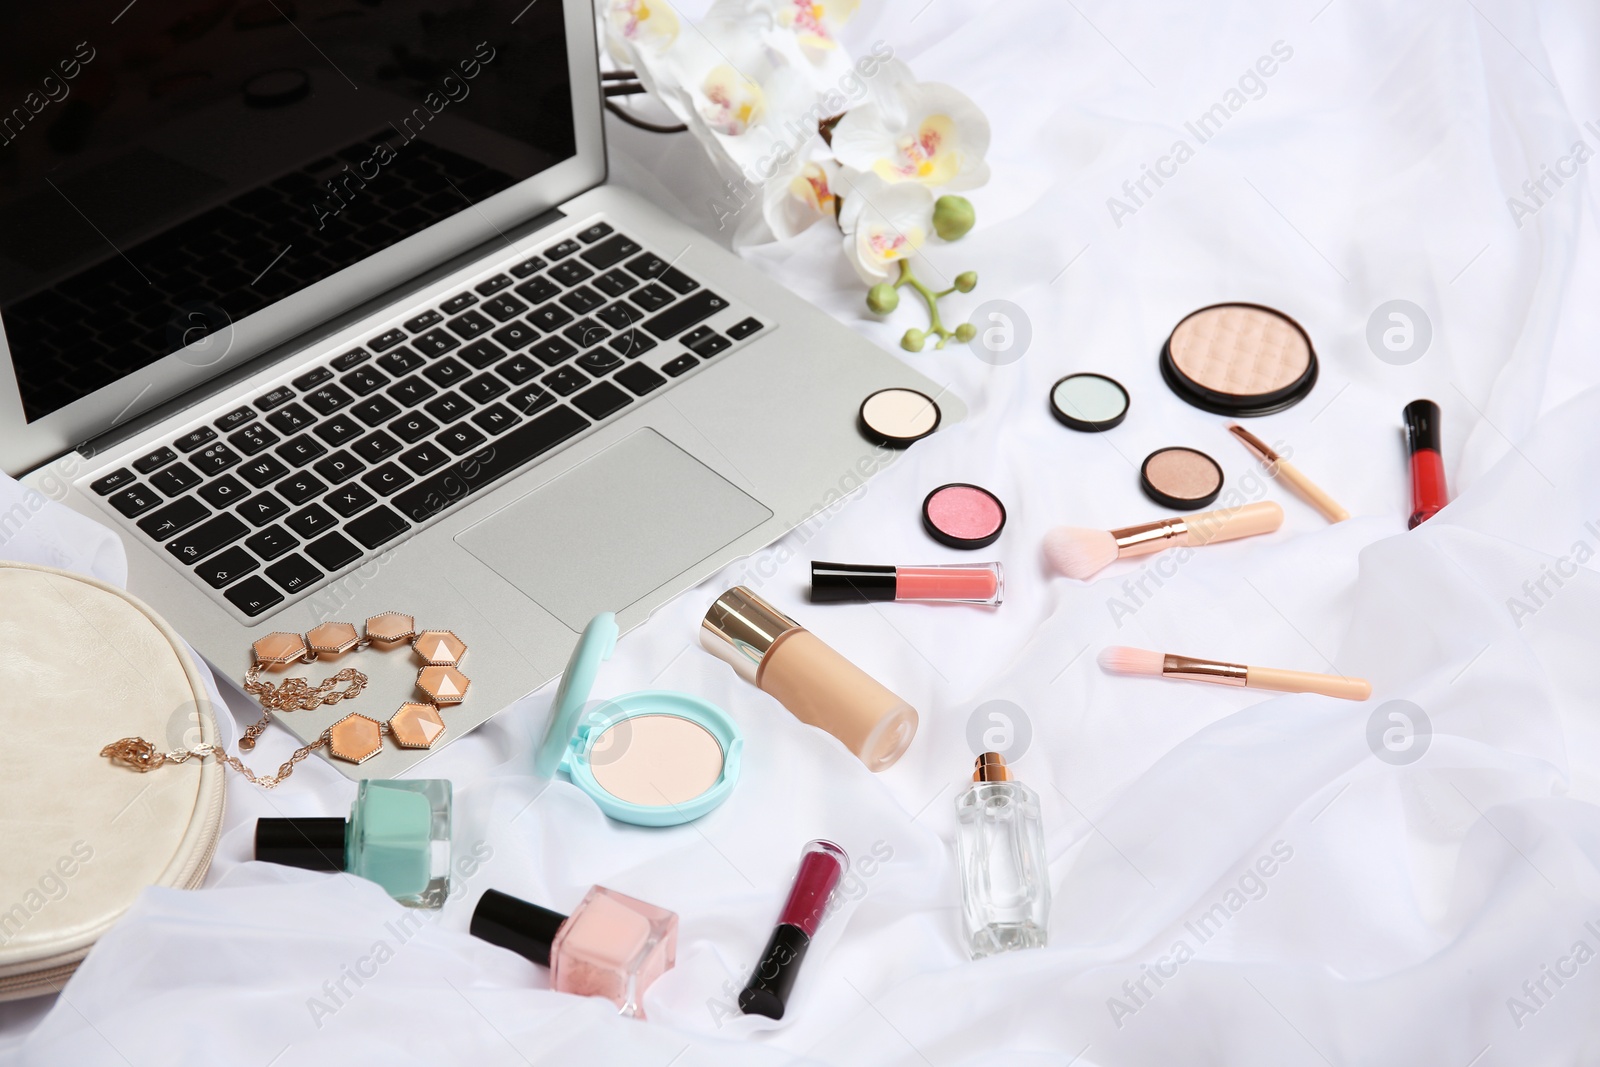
(611, 946)
(1005, 883)
(819, 687)
(398, 835)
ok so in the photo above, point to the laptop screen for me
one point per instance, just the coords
(185, 164)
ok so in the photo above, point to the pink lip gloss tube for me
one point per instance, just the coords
(941, 583)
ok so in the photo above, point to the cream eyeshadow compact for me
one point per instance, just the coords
(1239, 359)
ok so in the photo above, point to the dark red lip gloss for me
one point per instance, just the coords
(822, 864)
(1428, 493)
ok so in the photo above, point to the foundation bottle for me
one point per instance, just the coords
(819, 686)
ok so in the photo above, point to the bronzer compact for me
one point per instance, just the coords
(651, 758)
(1239, 359)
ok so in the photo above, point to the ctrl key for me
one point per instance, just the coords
(253, 596)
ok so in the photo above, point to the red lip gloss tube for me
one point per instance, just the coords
(822, 864)
(1428, 493)
(943, 583)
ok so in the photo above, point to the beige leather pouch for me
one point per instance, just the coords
(83, 664)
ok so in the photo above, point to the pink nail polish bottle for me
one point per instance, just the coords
(611, 946)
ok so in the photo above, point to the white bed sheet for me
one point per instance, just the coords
(1415, 911)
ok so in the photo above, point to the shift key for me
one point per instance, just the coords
(207, 538)
(684, 314)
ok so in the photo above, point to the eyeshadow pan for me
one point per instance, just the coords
(897, 417)
(1182, 478)
(1239, 359)
(1089, 402)
(963, 516)
(656, 760)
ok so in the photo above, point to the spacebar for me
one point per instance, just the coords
(470, 473)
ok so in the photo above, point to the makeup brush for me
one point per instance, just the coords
(1290, 475)
(1119, 659)
(1080, 553)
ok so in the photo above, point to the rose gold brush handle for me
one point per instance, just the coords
(1329, 685)
(1224, 524)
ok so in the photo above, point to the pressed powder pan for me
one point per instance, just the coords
(1181, 478)
(1239, 359)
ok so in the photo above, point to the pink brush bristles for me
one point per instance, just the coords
(1079, 553)
(1120, 659)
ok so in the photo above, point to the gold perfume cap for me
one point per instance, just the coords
(991, 767)
(741, 628)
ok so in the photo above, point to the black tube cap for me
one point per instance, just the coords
(768, 989)
(833, 583)
(526, 929)
(1422, 425)
(315, 844)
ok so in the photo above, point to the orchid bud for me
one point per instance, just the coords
(967, 281)
(952, 217)
(966, 332)
(883, 298)
(913, 340)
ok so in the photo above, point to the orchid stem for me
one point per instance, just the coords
(929, 297)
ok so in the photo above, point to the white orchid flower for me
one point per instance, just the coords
(637, 28)
(798, 195)
(915, 132)
(883, 224)
(815, 23)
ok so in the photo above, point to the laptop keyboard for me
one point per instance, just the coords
(266, 501)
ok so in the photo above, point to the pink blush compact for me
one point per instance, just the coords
(963, 516)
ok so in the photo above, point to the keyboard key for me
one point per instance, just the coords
(423, 321)
(339, 467)
(300, 450)
(349, 500)
(253, 438)
(652, 298)
(600, 361)
(214, 459)
(154, 460)
(696, 335)
(483, 353)
(207, 538)
(262, 509)
(310, 521)
(354, 357)
(457, 302)
(631, 343)
(386, 340)
(647, 266)
(333, 551)
(682, 365)
(712, 345)
(436, 343)
(527, 267)
(234, 419)
(566, 381)
(312, 378)
(375, 446)
(387, 479)
(509, 452)
(538, 290)
(678, 281)
(328, 399)
(685, 314)
(195, 438)
(620, 316)
(447, 407)
(113, 481)
(570, 273)
(531, 398)
(493, 285)
(446, 372)
(550, 317)
(565, 248)
(263, 471)
(178, 478)
(611, 251)
(364, 380)
(639, 379)
(291, 419)
(411, 391)
(229, 567)
(413, 428)
(271, 543)
(495, 419)
(470, 325)
(593, 234)
(376, 527)
(604, 399)
(225, 492)
(512, 336)
(614, 283)
(740, 330)
(278, 397)
(519, 369)
(425, 458)
(337, 430)
(484, 388)
(174, 518)
(300, 488)
(253, 596)
(461, 439)
(294, 574)
(135, 501)
(375, 411)
(586, 333)
(504, 308)
(401, 361)
(582, 300)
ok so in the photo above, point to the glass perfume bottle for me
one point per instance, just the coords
(398, 835)
(1005, 887)
(611, 946)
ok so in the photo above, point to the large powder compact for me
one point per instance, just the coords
(1239, 359)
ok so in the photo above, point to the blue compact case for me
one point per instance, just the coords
(655, 757)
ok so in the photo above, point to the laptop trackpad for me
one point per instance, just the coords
(611, 529)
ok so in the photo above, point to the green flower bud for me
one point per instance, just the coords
(967, 281)
(952, 217)
(883, 298)
(913, 340)
(966, 332)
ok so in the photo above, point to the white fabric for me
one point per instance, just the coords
(1407, 903)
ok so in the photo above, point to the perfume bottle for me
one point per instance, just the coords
(611, 946)
(398, 835)
(1005, 888)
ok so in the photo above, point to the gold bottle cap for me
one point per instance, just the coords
(741, 628)
(991, 767)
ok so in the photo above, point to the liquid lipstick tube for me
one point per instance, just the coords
(1428, 493)
(944, 583)
(822, 864)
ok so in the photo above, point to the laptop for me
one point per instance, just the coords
(328, 310)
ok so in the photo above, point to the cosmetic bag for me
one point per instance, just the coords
(83, 664)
